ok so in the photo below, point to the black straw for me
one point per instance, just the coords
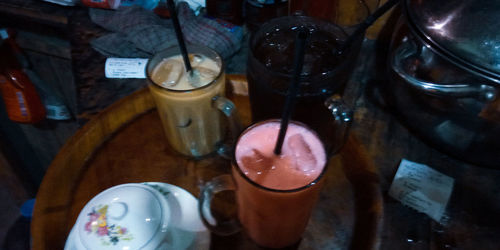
(178, 33)
(298, 62)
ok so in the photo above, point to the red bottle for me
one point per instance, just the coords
(21, 99)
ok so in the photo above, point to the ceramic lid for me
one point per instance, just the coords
(464, 30)
(128, 216)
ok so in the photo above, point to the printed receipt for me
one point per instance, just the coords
(125, 67)
(422, 188)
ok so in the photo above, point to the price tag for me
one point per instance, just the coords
(125, 67)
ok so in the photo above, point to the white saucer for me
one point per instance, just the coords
(187, 229)
(184, 217)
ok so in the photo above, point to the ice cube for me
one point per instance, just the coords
(257, 161)
(207, 74)
(201, 76)
(196, 59)
(169, 73)
(304, 157)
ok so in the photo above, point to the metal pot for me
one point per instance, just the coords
(444, 66)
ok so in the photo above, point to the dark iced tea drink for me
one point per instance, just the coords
(324, 73)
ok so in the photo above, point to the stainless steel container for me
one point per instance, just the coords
(444, 66)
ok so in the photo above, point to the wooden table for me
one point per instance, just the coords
(125, 143)
(369, 161)
(377, 135)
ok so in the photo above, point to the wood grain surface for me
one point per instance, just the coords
(125, 143)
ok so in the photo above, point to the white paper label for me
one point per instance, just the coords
(125, 67)
(422, 188)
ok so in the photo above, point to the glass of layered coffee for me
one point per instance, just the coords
(188, 102)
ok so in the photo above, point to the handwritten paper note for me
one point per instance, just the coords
(422, 188)
(125, 67)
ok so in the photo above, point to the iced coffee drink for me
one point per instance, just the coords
(184, 99)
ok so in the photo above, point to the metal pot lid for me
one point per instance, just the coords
(465, 31)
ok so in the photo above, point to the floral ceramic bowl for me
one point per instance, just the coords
(139, 216)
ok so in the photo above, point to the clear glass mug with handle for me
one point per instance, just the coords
(190, 105)
(325, 73)
(275, 195)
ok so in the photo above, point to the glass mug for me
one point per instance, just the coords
(274, 197)
(325, 73)
(190, 108)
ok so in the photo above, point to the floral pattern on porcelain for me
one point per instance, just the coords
(109, 233)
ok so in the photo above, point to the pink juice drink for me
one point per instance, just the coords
(276, 194)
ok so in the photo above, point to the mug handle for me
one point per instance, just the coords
(229, 110)
(342, 116)
(217, 184)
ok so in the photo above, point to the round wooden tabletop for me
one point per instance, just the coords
(125, 143)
